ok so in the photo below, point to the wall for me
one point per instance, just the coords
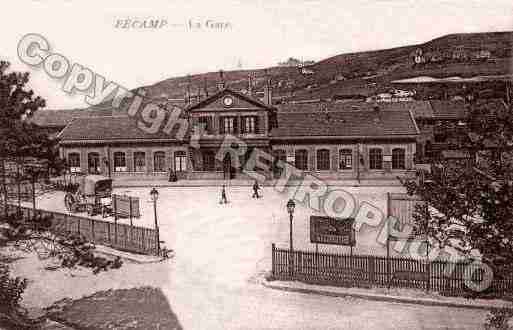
(107, 152)
(357, 169)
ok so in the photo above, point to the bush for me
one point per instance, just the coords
(11, 289)
(12, 316)
(498, 318)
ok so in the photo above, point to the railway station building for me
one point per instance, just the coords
(328, 140)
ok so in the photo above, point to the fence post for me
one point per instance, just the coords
(428, 270)
(130, 215)
(142, 238)
(130, 209)
(371, 268)
(115, 220)
(126, 236)
(92, 229)
(388, 240)
(108, 233)
(273, 271)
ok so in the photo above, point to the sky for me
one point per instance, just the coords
(200, 36)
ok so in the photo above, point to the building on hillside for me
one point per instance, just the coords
(460, 54)
(481, 55)
(331, 141)
(306, 71)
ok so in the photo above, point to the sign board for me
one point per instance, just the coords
(327, 230)
(124, 206)
(387, 158)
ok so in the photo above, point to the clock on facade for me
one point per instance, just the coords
(228, 101)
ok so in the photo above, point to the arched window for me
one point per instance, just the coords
(301, 159)
(159, 161)
(345, 159)
(375, 159)
(93, 162)
(323, 160)
(139, 161)
(180, 161)
(74, 162)
(119, 162)
(398, 159)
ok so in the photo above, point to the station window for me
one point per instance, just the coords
(398, 159)
(139, 161)
(119, 162)
(74, 162)
(180, 161)
(323, 159)
(345, 159)
(375, 159)
(301, 159)
(159, 161)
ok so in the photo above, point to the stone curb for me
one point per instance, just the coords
(139, 259)
(377, 297)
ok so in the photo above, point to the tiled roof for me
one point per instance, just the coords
(419, 109)
(60, 118)
(368, 123)
(111, 128)
(448, 109)
(433, 109)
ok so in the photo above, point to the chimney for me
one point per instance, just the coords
(377, 111)
(221, 83)
(268, 97)
(325, 111)
(205, 87)
(250, 84)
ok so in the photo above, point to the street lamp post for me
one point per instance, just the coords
(154, 197)
(290, 208)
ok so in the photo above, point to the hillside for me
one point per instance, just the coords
(361, 73)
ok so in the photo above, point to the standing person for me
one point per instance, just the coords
(170, 174)
(223, 196)
(256, 187)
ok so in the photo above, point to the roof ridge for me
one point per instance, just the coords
(229, 90)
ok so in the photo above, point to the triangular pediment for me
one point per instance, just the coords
(228, 99)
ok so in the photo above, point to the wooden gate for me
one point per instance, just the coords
(402, 206)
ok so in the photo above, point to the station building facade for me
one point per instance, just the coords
(328, 141)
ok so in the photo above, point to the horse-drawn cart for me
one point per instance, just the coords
(92, 195)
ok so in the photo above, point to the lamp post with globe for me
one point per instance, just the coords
(290, 209)
(154, 194)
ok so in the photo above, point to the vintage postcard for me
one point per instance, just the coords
(256, 164)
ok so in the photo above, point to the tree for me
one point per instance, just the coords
(17, 104)
(470, 204)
